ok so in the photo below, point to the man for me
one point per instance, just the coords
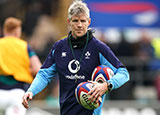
(18, 65)
(74, 58)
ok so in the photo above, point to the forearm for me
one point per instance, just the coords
(38, 84)
(120, 78)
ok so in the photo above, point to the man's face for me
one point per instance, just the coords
(79, 24)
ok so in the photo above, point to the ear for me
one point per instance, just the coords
(89, 21)
(68, 21)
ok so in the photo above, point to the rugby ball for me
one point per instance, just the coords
(81, 95)
(102, 74)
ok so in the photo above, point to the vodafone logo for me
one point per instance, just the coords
(74, 66)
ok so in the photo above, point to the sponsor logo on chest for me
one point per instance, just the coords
(74, 66)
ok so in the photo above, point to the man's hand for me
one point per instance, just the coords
(26, 98)
(97, 91)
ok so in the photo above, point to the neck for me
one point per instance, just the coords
(14, 35)
(76, 37)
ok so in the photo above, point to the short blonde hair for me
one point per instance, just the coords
(78, 7)
(11, 24)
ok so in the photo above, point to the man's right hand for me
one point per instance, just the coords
(26, 98)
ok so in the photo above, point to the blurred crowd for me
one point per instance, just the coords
(139, 49)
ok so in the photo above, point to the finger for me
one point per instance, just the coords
(91, 91)
(90, 94)
(92, 97)
(30, 97)
(98, 99)
(25, 100)
(25, 105)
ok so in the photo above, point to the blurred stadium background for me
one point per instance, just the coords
(130, 27)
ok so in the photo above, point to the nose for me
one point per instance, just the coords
(79, 24)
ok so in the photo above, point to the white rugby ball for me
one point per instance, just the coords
(102, 74)
(82, 97)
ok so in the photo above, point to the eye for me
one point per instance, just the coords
(74, 20)
(83, 21)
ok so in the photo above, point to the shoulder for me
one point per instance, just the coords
(97, 41)
(99, 44)
(60, 43)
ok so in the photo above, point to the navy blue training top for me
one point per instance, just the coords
(71, 72)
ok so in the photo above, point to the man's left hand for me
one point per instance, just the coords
(97, 91)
